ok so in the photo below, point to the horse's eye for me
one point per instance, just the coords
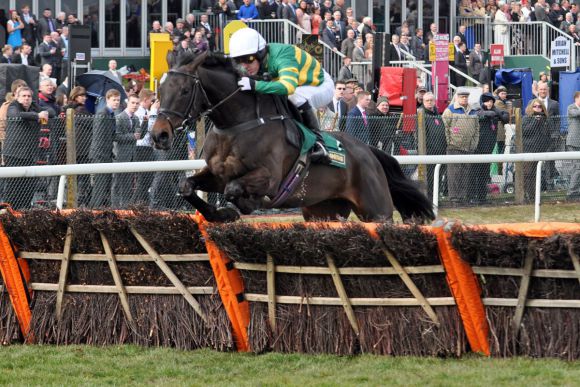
(184, 91)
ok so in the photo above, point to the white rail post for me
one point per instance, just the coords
(60, 193)
(538, 191)
(544, 40)
(436, 173)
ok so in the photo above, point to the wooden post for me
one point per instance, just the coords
(422, 148)
(169, 273)
(411, 285)
(63, 272)
(71, 158)
(342, 294)
(117, 278)
(519, 168)
(524, 286)
(271, 287)
(575, 259)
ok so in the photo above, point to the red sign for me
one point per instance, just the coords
(497, 54)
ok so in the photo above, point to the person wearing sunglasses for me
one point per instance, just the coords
(293, 72)
(536, 139)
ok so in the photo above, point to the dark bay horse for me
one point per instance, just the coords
(248, 156)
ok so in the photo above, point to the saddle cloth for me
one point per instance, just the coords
(335, 150)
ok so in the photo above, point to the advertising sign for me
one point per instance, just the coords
(560, 52)
(497, 54)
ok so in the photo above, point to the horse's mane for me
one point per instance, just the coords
(207, 59)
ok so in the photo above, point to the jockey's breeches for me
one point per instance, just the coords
(318, 96)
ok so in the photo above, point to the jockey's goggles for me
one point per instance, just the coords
(248, 59)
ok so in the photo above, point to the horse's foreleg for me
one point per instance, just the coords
(247, 191)
(206, 181)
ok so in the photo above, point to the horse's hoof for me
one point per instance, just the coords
(186, 188)
(226, 214)
(233, 191)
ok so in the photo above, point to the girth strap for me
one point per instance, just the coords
(248, 125)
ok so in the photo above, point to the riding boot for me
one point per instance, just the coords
(319, 153)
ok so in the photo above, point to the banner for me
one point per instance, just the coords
(560, 52)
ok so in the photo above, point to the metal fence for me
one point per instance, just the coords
(531, 38)
(103, 140)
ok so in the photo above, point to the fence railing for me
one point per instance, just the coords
(518, 38)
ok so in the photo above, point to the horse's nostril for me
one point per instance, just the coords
(163, 136)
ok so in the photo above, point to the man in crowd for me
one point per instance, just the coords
(461, 65)
(21, 145)
(102, 148)
(45, 72)
(434, 133)
(247, 11)
(25, 57)
(30, 25)
(418, 46)
(357, 124)
(462, 137)
(573, 145)
(340, 26)
(147, 113)
(58, 44)
(127, 132)
(46, 24)
(502, 103)
(475, 61)
(112, 71)
(347, 46)
(330, 36)
(345, 71)
(338, 106)
(46, 98)
(48, 54)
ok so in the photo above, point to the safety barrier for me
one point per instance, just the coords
(342, 288)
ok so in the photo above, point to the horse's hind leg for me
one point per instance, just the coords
(334, 209)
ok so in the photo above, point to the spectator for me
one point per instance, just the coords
(348, 95)
(395, 50)
(338, 106)
(462, 136)
(489, 117)
(367, 24)
(303, 17)
(404, 45)
(357, 120)
(504, 105)
(156, 27)
(180, 29)
(6, 54)
(461, 65)
(127, 132)
(60, 21)
(346, 70)
(326, 7)
(48, 54)
(199, 42)
(101, 150)
(30, 22)
(208, 33)
(419, 96)
(569, 21)
(501, 32)
(21, 145)
(418, 46)
(340, 26)
(340, 6)
(433, 30)
(72, 20)
(58, 55)
(45, 72)
(9, 97)
(476, 61)
(266, 10)
(555, 16)
(434, 134)
(541, 11)
(83, 127)
(46, 24)
(112, 71)
(535, 130)
(147, 113)
(330, 36)
(169, 29)
(575, 36)
(14, 27)
(369, 46)
(288, 12)
(383, 125)
(461, 33)
(347, 46)
(47, 99)
(225, 9)
(316, 21)
(573, 145)
(247, 11)
(63, 88)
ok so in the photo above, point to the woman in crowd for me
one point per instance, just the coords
(83, 133)
(199, 41)
(14, 28)
(224, 9)
(303, 16)
(535, 131)
(316, 20)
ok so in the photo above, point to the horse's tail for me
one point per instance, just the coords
(407, 198)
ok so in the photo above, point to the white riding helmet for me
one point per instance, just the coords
(246, 41)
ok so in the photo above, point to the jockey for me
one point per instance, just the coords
(294, 73)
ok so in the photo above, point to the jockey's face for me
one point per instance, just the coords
(252, 67)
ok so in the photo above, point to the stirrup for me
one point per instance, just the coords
(320, 154)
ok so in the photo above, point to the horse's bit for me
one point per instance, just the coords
(187, 118)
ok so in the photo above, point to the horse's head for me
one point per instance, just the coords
(184, 98)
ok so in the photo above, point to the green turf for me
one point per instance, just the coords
(129, 365)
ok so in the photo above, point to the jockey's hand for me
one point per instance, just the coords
(246, 84)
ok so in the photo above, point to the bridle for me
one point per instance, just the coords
(187, 119)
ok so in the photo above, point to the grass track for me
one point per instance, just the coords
(130, 365)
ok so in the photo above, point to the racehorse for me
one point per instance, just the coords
(249, 158)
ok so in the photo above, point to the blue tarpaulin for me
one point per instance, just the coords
(524, 77)
(569, 84)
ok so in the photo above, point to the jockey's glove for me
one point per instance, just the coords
(246, 84)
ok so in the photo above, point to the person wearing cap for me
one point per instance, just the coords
(462, 136)
(503, 104)
(489, 118)
(383, 125)
(419, 96)
(293, 72)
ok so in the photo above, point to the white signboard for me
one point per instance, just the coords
(560, 52)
